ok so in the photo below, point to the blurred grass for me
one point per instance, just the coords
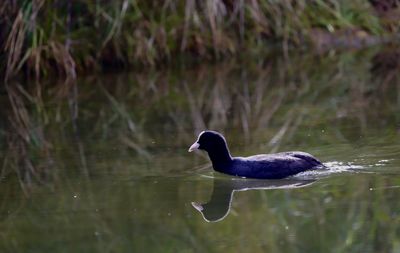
(65, 37)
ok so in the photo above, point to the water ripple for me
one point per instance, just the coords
(333, 167)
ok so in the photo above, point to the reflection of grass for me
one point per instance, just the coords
(78, 153)
(68, 36)
(269, 106)
(26, 143)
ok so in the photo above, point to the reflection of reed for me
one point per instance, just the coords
(30, 152)
(132, 137)
(27, 141)
(53, 130)
(268, 104)
(386, 65)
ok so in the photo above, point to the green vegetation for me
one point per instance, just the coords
(66, 37)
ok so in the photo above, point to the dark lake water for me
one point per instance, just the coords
(101, 164)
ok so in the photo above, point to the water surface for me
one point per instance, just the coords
(101, 164)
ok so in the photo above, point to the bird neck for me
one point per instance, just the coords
(220, 158)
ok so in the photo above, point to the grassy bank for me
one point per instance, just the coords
(65, 37)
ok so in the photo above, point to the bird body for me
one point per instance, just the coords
(264, 166)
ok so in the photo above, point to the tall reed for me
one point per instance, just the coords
(66, 37)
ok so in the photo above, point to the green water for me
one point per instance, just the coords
(101, 164)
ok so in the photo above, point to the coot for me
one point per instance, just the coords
(265, 166)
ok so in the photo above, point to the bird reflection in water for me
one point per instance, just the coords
(219, 205)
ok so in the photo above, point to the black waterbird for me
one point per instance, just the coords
(264, 166)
